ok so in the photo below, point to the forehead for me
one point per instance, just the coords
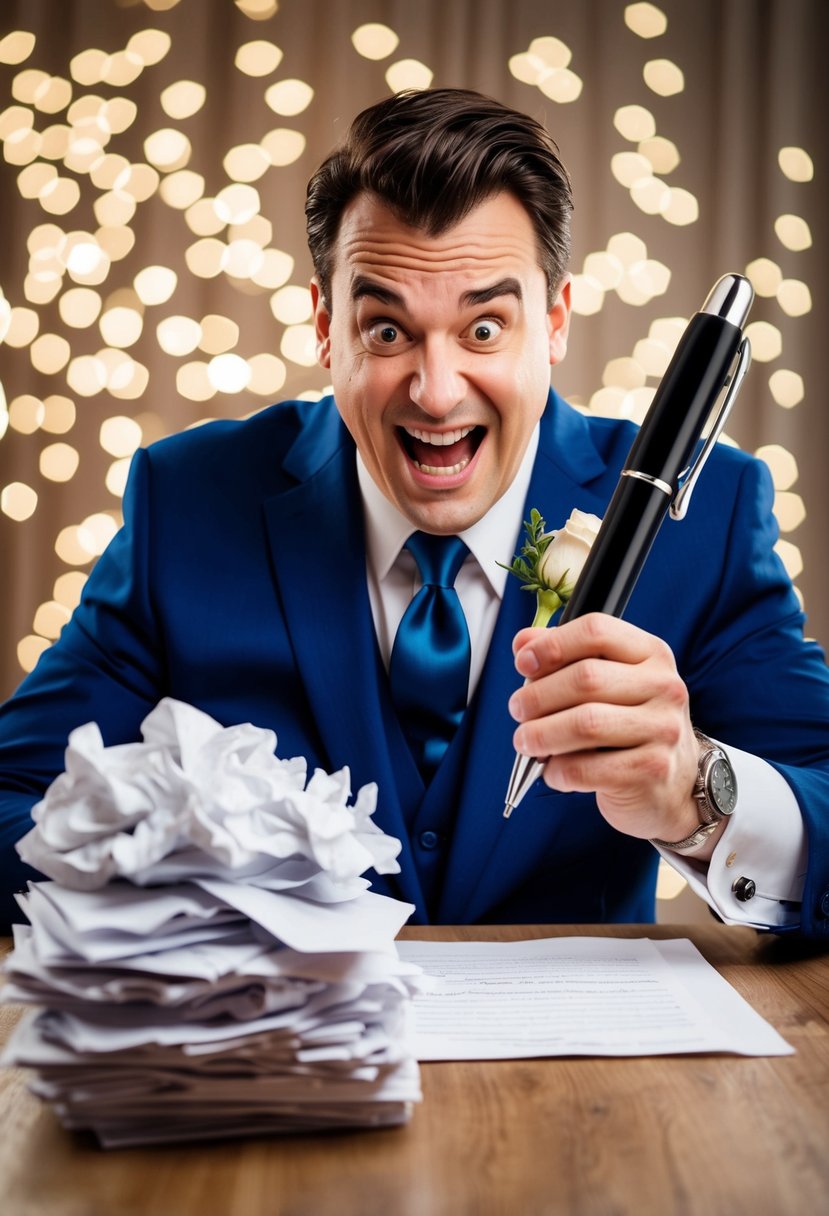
(495, 237)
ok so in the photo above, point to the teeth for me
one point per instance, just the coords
(439, 440)
(441, 470)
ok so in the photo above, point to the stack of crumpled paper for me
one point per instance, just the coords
(207, 959)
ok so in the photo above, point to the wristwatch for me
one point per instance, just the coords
(715, 793)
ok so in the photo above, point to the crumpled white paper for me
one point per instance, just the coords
(195, 797)
(207, 960)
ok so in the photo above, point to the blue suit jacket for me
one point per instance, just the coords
(238, 585)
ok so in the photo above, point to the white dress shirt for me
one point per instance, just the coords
(765, 838)
(393, 576)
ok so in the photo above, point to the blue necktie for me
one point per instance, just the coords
(429, 668)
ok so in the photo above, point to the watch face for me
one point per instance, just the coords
(722, 786)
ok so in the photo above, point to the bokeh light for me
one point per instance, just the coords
(408, 74)
(793, 232)
(766, 341)
(16, 46)
(68, 588)
(787, 388)
(289, 97)
(662, 76)
(646, 20)
(634, 123)
(283, 146)
(183, 99)
(299, 345)
(796, 164)
(228, 373)
(120, 435)
(59, 462)
(155, 284)
(18, 501)
(781, 463)
(178, 335)
(374, 41)
(258, 58)
(794, 297)
(167, 149)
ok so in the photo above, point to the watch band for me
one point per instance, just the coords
(690, 842)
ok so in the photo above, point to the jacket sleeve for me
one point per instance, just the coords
(756, 683)
(107, 666)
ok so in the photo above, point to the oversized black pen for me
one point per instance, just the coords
(712, 357)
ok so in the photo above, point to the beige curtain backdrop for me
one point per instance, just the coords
(754, 81)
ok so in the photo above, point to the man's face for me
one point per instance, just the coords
(440, 350)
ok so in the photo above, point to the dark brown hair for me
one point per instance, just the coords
(432, 156)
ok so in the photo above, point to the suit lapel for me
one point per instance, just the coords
(567, 473)
(316, 536)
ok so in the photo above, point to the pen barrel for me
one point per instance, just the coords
(618, 553)
(685, 397)
(662, 449)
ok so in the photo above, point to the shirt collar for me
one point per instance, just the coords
(491, 540)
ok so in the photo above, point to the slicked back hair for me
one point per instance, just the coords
(433, 155)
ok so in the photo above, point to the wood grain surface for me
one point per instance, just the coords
(711, 1135)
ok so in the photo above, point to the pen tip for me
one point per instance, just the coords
(508, 809)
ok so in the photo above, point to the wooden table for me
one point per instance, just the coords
(671, 1135)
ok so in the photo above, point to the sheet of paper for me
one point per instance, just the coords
(368, 922)
(563, 996)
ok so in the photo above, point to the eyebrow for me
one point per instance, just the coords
(504, 287)
(364, 287)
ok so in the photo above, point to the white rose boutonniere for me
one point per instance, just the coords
(550, 562)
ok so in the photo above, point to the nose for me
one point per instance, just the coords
(437, 385)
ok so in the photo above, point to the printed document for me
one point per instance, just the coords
(574, 996)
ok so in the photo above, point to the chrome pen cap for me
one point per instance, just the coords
(730, 298)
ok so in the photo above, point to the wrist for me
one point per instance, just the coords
(714, 796)
(702, 849)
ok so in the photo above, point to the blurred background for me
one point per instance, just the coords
(153, 268)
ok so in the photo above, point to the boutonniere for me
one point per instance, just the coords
(550, 562)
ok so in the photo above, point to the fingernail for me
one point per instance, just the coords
(515, 707)
(526, 661)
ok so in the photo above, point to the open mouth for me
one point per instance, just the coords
(441, 453)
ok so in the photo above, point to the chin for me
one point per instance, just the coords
(443, 518)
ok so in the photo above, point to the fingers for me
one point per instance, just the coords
(613, 772)
(606, 710)
(642, 791)
(602, 683)
(595, 726)
(541, 651)
(591, 680)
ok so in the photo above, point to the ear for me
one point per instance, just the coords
(322, 323)
(558, 323)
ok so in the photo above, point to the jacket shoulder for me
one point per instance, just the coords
(259, 445)
(613, 439)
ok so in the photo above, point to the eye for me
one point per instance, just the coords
(385, 333)
(486, 331)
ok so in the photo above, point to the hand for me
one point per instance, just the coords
(606, 707)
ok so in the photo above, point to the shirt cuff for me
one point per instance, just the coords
(764, 843)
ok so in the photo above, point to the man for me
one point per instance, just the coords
(262, 574)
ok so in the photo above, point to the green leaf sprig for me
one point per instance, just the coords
(526, 567)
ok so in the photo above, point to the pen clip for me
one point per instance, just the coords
(682, 498)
